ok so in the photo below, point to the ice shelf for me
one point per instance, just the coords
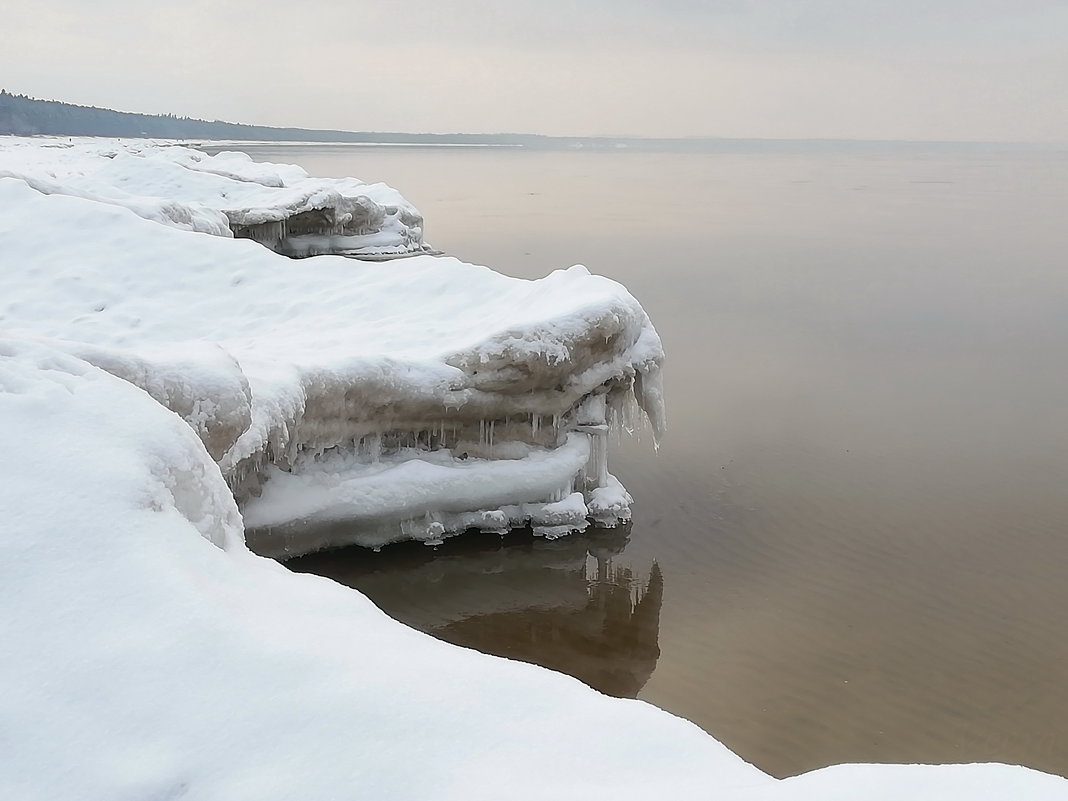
(344, 402)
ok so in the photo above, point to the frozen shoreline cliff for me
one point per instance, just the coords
(412, 399)
(154, 369)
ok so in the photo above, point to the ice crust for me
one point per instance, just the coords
(413, 399)
(228, 194)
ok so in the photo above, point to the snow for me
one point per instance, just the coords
(426, 488)
(302, 376)
(227, 194)
(149, 654)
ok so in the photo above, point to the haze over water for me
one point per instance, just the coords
(859, 512)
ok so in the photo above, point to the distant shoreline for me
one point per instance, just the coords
(21, 115)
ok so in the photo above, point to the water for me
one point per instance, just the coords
(858, 519)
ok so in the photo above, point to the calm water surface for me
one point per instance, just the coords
(852, 546)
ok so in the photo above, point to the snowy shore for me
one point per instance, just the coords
(278, 205)
(155, 371)
(416, 398)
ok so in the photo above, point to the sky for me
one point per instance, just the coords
(855, 69)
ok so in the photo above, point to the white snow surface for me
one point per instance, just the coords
(341, 488)
(284, 366)
(149, 654)
(222, 194)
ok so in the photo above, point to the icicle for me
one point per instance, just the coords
(649, 396)
(600, 446)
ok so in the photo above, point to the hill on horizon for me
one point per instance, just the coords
(22, 115)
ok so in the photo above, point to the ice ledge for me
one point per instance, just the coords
(489, 397)
(372, 485)
(226, 194)
(428, 496)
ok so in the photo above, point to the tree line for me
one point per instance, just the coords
(22, 115)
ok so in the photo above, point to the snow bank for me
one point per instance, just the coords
(415, 399)
(148, 654)
(148, 373)
(278, 205)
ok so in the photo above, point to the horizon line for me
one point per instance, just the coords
(681, 139)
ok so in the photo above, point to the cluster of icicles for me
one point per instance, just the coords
(349, 229)
(455, 439)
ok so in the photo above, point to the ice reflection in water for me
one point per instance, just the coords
(564, 604)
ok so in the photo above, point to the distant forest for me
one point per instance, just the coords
(24, 116)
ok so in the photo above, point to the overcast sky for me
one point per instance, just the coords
(883, 69)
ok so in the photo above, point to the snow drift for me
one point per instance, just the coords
(228, 194)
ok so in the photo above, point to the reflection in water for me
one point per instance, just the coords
(563, 604)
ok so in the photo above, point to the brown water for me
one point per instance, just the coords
(859, 517)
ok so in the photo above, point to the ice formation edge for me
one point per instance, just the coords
(321, 483)
(343, 403)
